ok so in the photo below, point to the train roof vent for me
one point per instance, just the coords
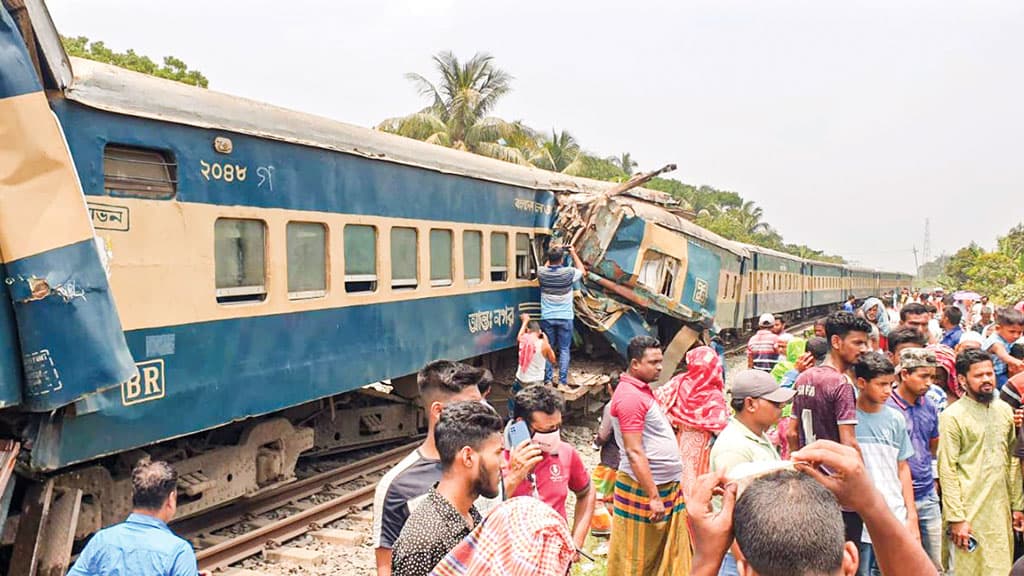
(139, 172)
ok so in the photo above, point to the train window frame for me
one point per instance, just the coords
(448, 281)
(467, 257)
(405, 283)
(240, 293)
(665, 268)
(498, 273)
(360, 281)
(140, 159)
(309, 293)
(525, 267)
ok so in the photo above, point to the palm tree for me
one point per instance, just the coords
(457, 116)
(749, 216)
(625, 162)
(559, 154)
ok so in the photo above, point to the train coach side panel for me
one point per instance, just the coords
(204, 375)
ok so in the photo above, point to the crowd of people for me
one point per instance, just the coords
(884, 440)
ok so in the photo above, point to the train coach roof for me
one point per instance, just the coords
(679, 224)
(122, 91)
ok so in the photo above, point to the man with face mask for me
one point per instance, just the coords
(979, 475)
(468, 439)
(545, 467)
(400, 490)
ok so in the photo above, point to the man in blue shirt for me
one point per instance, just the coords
(142, 544)
(556, 311)
(950, 323)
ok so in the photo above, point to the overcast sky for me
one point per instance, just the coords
(849, 122)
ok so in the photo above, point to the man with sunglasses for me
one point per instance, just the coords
(757, 401)
(546, 467)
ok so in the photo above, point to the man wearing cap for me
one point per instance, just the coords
(916, 372)
(763, 347)
(757, 400)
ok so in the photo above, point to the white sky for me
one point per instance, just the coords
(849, 122)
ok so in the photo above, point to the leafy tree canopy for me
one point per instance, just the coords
(172, 68)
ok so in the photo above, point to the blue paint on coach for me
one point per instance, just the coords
(232, 369)
(19, 75)
(10, 356)
(303, 177)
(71, 338)
(702, 274)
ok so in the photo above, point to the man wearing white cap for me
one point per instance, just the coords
(757, 400)
(763, 347)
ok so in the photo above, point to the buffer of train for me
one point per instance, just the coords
(215, 281)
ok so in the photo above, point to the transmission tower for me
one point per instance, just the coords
(927, 248)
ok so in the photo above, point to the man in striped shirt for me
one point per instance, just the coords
(556, 311)
(763, 347)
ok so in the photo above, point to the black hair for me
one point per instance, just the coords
(851, 297)
(768, 541)
(152, 484)
(953, 314)
(1017, 351)
(639, 345)
(905, 335)
(737, 404)
(464, 424)
(818, 347)
(485, 383)
(872, 365)
(555, 254)
(1009, 317)
(537, 398)
(970, 357)
(931, 309)
(948, 300)
(447, 378)
(781, 320)
(842, 323)
(912, 309)
(533, 326)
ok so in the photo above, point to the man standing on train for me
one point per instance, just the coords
(556, 310)
(142, 544)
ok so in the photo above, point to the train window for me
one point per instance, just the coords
(440, 257)
(240, 260)
(360, 258)
(404, 257)
(525, 269)
(658, 272)
(307, 260)
(472, 256)
(139, 172)
(499, 256)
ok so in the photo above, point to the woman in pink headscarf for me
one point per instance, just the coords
(695, 404)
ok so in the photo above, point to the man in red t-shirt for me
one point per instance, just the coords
(545, 467)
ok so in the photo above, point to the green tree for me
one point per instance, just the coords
(991, 272)
(601, 169)
(625, 163)
(460, 104)
(172, 68)
(750, 216)
(559, 154)
(1013, 245)
(957, 274)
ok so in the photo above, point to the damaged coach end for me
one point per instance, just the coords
(650, 270)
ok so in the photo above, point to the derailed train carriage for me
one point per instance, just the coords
(214, 281)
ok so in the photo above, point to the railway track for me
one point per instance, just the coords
(222, 551)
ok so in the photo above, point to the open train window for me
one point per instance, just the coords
(472, 256)
(139, 172)
(360, 258)
(499, 256)
(404, 255)
(658, 272)
(525, 269)
(240, 260)
(440, 257)
(307, 260)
